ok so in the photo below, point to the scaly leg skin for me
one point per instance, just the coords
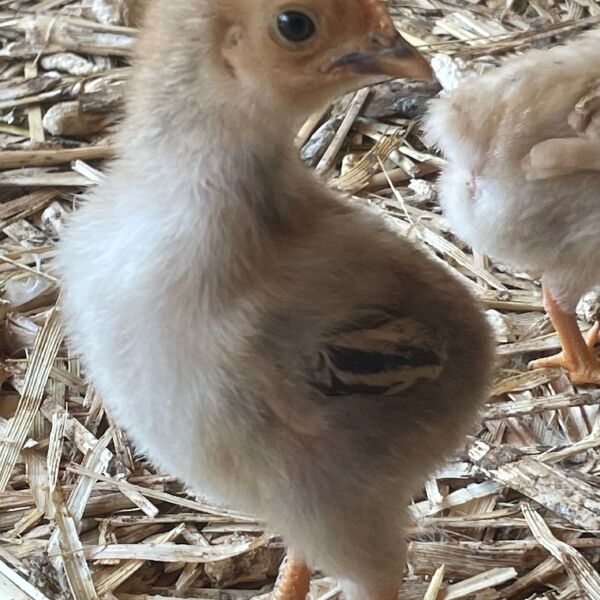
(577, 355)
(294, 581)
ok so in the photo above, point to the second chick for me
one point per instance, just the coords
(523, 178)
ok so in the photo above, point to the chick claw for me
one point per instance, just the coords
(583, 367)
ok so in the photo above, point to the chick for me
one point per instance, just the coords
(274, 346)
(523, 179)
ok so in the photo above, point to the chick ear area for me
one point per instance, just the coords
(233, 37)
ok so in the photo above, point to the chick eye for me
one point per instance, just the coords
(295, 26)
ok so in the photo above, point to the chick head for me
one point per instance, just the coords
(299, 54)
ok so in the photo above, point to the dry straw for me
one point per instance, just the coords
(82, 515)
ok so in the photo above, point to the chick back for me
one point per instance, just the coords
(500, 115)
(373, 451)
(487, 127)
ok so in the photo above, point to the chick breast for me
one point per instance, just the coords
(487, 127)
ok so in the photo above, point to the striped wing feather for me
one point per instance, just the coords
(378, 360)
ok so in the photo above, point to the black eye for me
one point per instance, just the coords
(295, 26)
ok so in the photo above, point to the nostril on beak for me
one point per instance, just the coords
(379, 39)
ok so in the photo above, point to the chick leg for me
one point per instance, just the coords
(577, 354)
(294, 580)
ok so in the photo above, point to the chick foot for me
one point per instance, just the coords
(294, 580)
(584, 367)
(577, 356)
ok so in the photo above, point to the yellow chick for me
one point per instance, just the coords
(261, 338)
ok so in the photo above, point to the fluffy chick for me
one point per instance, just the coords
(523, 179)
(259, 337)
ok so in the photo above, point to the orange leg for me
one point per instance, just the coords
(577, 354)
(294, 580)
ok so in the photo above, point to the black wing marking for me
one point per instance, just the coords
(380, 360)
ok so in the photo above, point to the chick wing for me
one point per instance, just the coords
(377, 359)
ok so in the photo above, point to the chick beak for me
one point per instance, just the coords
(390, 55)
